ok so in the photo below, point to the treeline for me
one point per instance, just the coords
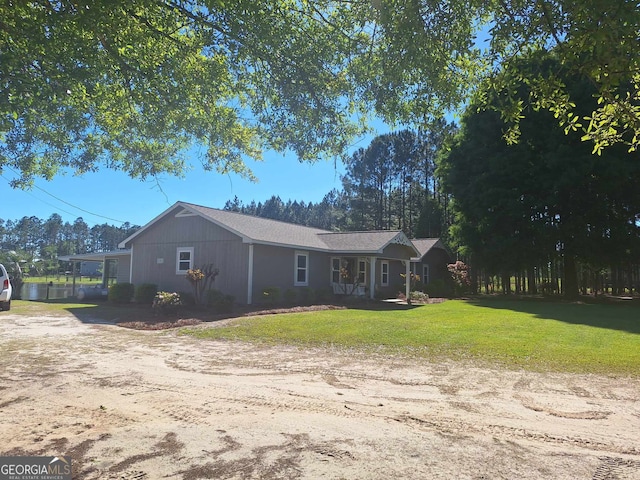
(32, 240)
(390, 185)
(546, 214)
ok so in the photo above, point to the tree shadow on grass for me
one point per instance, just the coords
(606, 312)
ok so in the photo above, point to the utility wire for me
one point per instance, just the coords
(65, 202)
(39, 199)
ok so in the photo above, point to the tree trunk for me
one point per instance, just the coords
(570, 278)
(506, 283)
(531, 280)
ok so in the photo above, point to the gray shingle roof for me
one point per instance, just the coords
(423, 245)
(362, 242)
(273, 232)
(262, 230)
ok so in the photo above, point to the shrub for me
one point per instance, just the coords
(438, 289)
(201, 278)
(121, 292)
(459, 272)
(187, 299)
(219, 302)
(324, 295)
(415, 282)
(307, 295)
(418, 297)
(166, 302)
(290, 296)
(145, 293)
(271, 295)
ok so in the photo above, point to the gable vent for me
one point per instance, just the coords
(401, 239)
(185, 213)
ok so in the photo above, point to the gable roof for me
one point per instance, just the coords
(273, 232)
(260, 230)
(364, 242)
(424, 245)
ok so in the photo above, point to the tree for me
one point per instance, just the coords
(52, 231)
(389, 182)
(430, 222)
(426, 59)
(201, 279)
(133, 84)
(28, 232)
(80, 235)
(520, 207)
(273, 208)
(367, 177)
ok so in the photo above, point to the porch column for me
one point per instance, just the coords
(250, 276)
(372, 277)
(106, 272)
(73, 272)
(407, 266)
(131, 266)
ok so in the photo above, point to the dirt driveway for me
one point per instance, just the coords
(130, 404)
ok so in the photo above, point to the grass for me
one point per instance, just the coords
(102, 311)
(535, 335)
(50, 307)
(530, 334)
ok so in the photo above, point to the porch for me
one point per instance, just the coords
(364, 276)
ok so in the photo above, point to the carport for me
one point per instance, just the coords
(116, 266)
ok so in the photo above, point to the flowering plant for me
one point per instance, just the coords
(166, 301)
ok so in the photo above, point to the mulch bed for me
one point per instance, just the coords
(195, 317)
(149, 320)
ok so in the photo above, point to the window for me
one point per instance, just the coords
(362, 271)
(184, 260)
(384, 273)
(425, 274)
(301, 278)
(335, 270)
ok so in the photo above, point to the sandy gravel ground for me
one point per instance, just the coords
(130, 404)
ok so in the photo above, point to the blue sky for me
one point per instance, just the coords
(112, 197)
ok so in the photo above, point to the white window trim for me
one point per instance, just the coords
(383, 273)
(296, 283)
(362, 274)
(331, 270)
(426, 274)
(179, 250)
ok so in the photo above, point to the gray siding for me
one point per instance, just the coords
(275, 267)
(396, 282)
(437, 259)
(398, 252)
(154, 255)
(154, 259)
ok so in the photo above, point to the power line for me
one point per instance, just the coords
(57, 208)
(65, 202)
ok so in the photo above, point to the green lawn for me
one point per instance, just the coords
(535, 335)
(54, 307)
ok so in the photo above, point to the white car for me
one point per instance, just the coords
(5, 292)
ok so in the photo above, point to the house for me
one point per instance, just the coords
(431, 262)
(254, 254)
